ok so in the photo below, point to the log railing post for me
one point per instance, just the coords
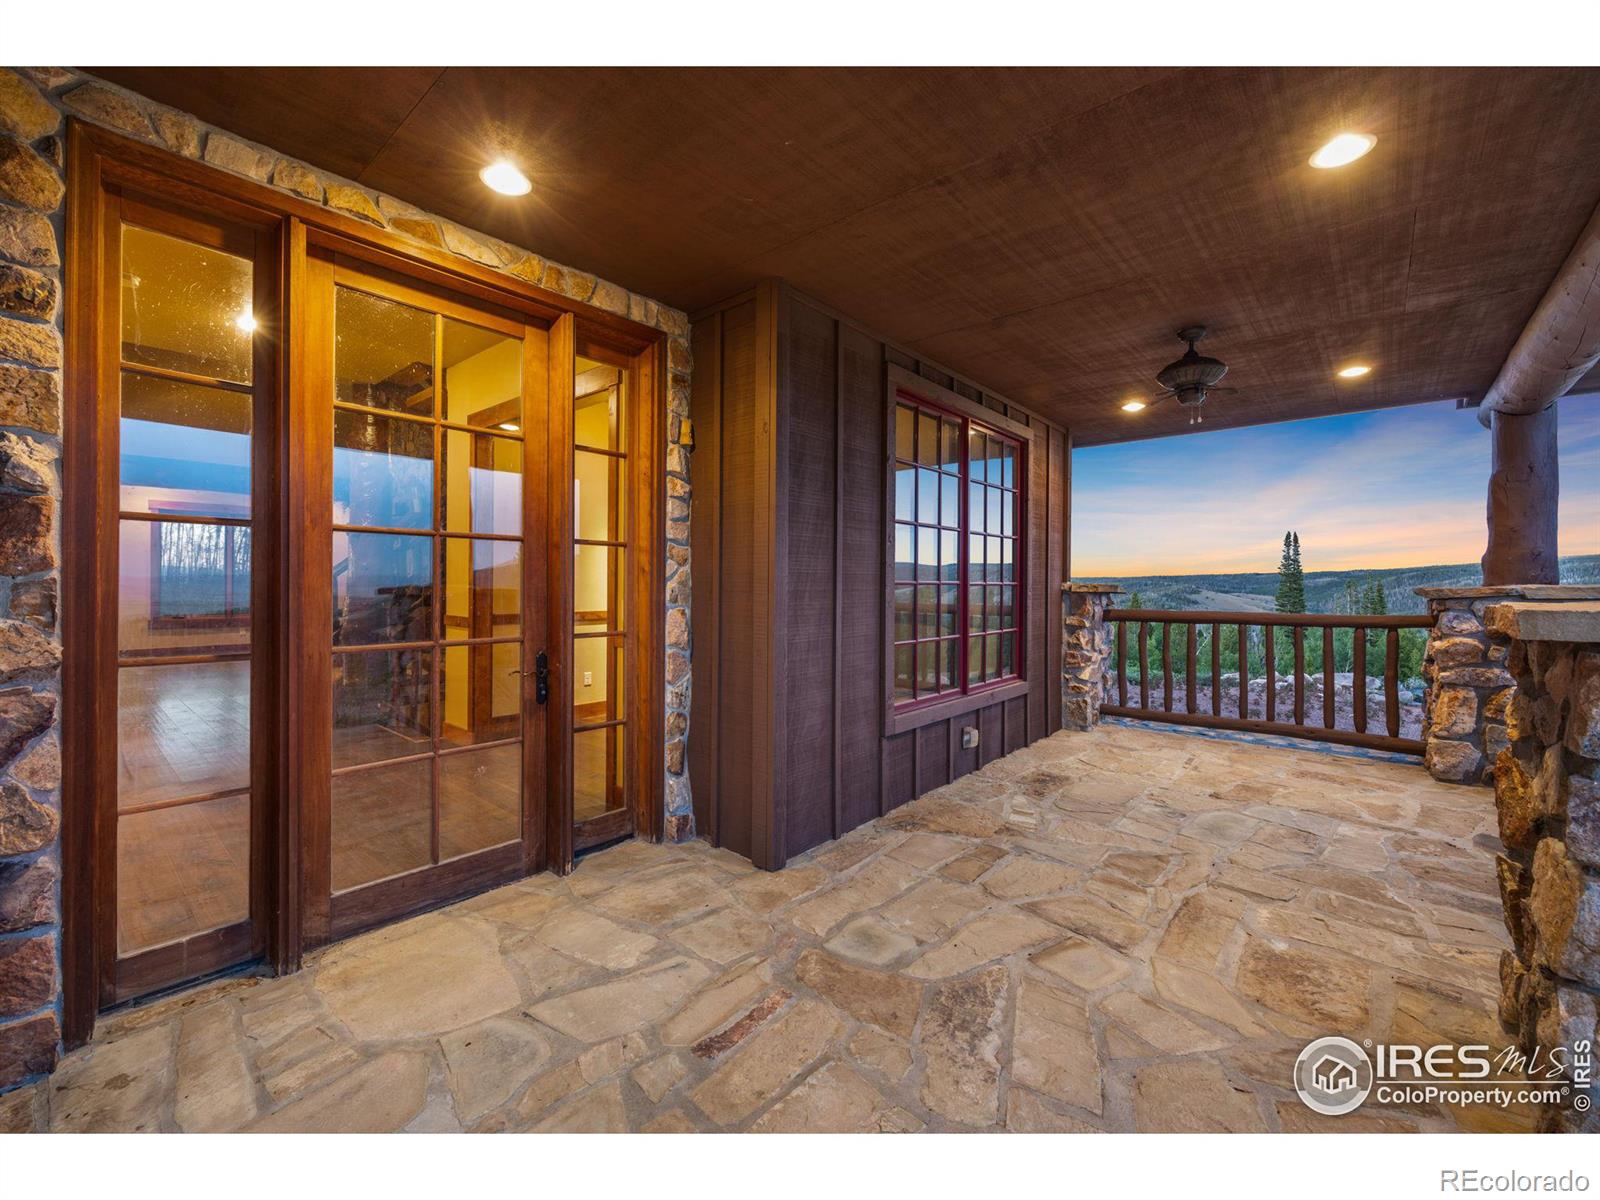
(1358, 678)
(1328, 682)
(1144, 664)
(1299, 676)
(1188, 664)
(1244, 672)
(1166, 666)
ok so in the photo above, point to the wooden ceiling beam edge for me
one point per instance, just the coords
(1561, 342)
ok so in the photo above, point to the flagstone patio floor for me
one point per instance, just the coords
(1133, 929)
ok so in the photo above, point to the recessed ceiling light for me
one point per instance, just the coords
(510, 426)
(245, 322)
(1343, 150)
(1354, 371)
(1132, 405)
(505, 179)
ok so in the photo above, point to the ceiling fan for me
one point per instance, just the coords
(1194, 376)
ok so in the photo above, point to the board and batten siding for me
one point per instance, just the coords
(791, 743)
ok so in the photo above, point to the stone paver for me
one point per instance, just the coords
(1129, 929)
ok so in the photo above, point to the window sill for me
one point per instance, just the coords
(956, 706)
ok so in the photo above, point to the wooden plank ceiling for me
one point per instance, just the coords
(1042, 232)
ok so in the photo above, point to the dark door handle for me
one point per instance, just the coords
(541, 677)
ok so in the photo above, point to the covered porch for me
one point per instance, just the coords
(1134, 928)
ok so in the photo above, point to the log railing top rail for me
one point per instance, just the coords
(1174, 616)
(1285, 631)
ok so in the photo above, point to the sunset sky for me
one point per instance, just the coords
(1398, 488)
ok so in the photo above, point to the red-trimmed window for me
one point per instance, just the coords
(957, 554)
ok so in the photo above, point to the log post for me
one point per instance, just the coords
(1523, 487)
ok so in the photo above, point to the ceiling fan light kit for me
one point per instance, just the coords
(1189, 378)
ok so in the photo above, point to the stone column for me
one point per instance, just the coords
(1523, 486)
(1085, 652)
(1468, 685)
(1547, 795)
(31, 154)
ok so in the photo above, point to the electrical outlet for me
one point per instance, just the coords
(969, 738)
(588, 679)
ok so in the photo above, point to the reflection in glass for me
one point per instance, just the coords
(382, 471)
(481, 693)
(598, 496)
(482, 588)
(480, 800)
(382, 588)
(182, 586)
(597, 585)
(928, 497)
(182, 871)
(183, 729)
(598, 667)
(598, 756)
(482, 483)
(482, 377)
(180, 443)
(927, 611)
(599, 405)
(905, 493)
(977, 453)
(950, 451)
(927, 554)
(382, 822)
(927, 439)
(904, 556)
(381, 705)
(383, 354)
(903, 657)
(904, 631)
(185, 307)
(905, 433)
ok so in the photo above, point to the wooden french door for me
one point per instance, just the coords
(363, 571)
(183, 675)
(426, 493)
(608, 501)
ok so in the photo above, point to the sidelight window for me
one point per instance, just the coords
(957, 558)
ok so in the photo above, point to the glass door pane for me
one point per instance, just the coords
(600, 801)
(185, 509)
(427, 545)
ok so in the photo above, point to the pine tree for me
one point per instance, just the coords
(1291, 595)
(1134, 601)
(1299, 579)
(1285, 570)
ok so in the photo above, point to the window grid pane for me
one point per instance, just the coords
(957, 611)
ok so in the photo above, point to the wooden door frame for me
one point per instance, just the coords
(98, 160)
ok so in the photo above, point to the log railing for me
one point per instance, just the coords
(1285, 631)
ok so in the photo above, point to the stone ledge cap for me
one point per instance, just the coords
(1109, 589)
(1517, 591)
(1545, 622)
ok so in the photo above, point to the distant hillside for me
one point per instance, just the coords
(1325, 590)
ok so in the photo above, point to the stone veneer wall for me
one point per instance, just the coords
(33, 105)
(1468, 685)
(1085, 653)
(1547, 794)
